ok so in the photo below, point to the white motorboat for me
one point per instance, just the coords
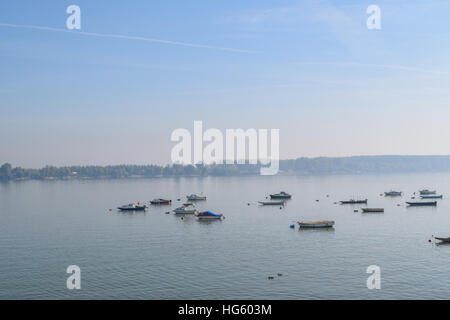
(195, 197)
(187, 208)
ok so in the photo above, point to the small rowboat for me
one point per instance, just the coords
(422, 203)
(160, 201)
(281, 195)
(393, 194)
(132, 207)
(208, 215)
(316, 224)
(372, 209)
(272, 203)
(353, 201)
(443, 239)
(431, 197)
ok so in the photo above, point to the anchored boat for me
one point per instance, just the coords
(422, 203)
(281, 195)
(372, 209)
(187, 208)
(195, 197)
(208, 215)
(431, 197)
(393, 193)
(272, 203)
(160, 201)
(353, 201)
(316, 224)
(426, 192)
(132, 207)
(443, 239)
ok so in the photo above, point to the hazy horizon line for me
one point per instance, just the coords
(224, 163)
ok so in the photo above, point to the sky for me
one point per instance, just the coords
(114, 91)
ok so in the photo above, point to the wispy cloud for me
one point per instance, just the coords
(382, 66)
(127, 37)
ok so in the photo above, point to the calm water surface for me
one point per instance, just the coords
(47, 226)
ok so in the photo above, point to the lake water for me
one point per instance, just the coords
(47, 226)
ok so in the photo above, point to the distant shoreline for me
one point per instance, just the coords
(299, 166)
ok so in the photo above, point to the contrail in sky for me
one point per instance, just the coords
(118, 36)
(383, 66)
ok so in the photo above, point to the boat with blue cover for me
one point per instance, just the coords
(208, 215)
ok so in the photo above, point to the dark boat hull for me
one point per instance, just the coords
(133, 209)
(355, 202)
(431, 197)
(161, 202)
(279, 197)
(422, 204)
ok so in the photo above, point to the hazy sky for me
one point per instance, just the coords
(310, 68)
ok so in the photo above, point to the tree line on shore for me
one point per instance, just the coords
(300, 166)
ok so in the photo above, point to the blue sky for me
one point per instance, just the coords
(310, 68)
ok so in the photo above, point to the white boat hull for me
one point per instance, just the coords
(272, 203)
(185, 211)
